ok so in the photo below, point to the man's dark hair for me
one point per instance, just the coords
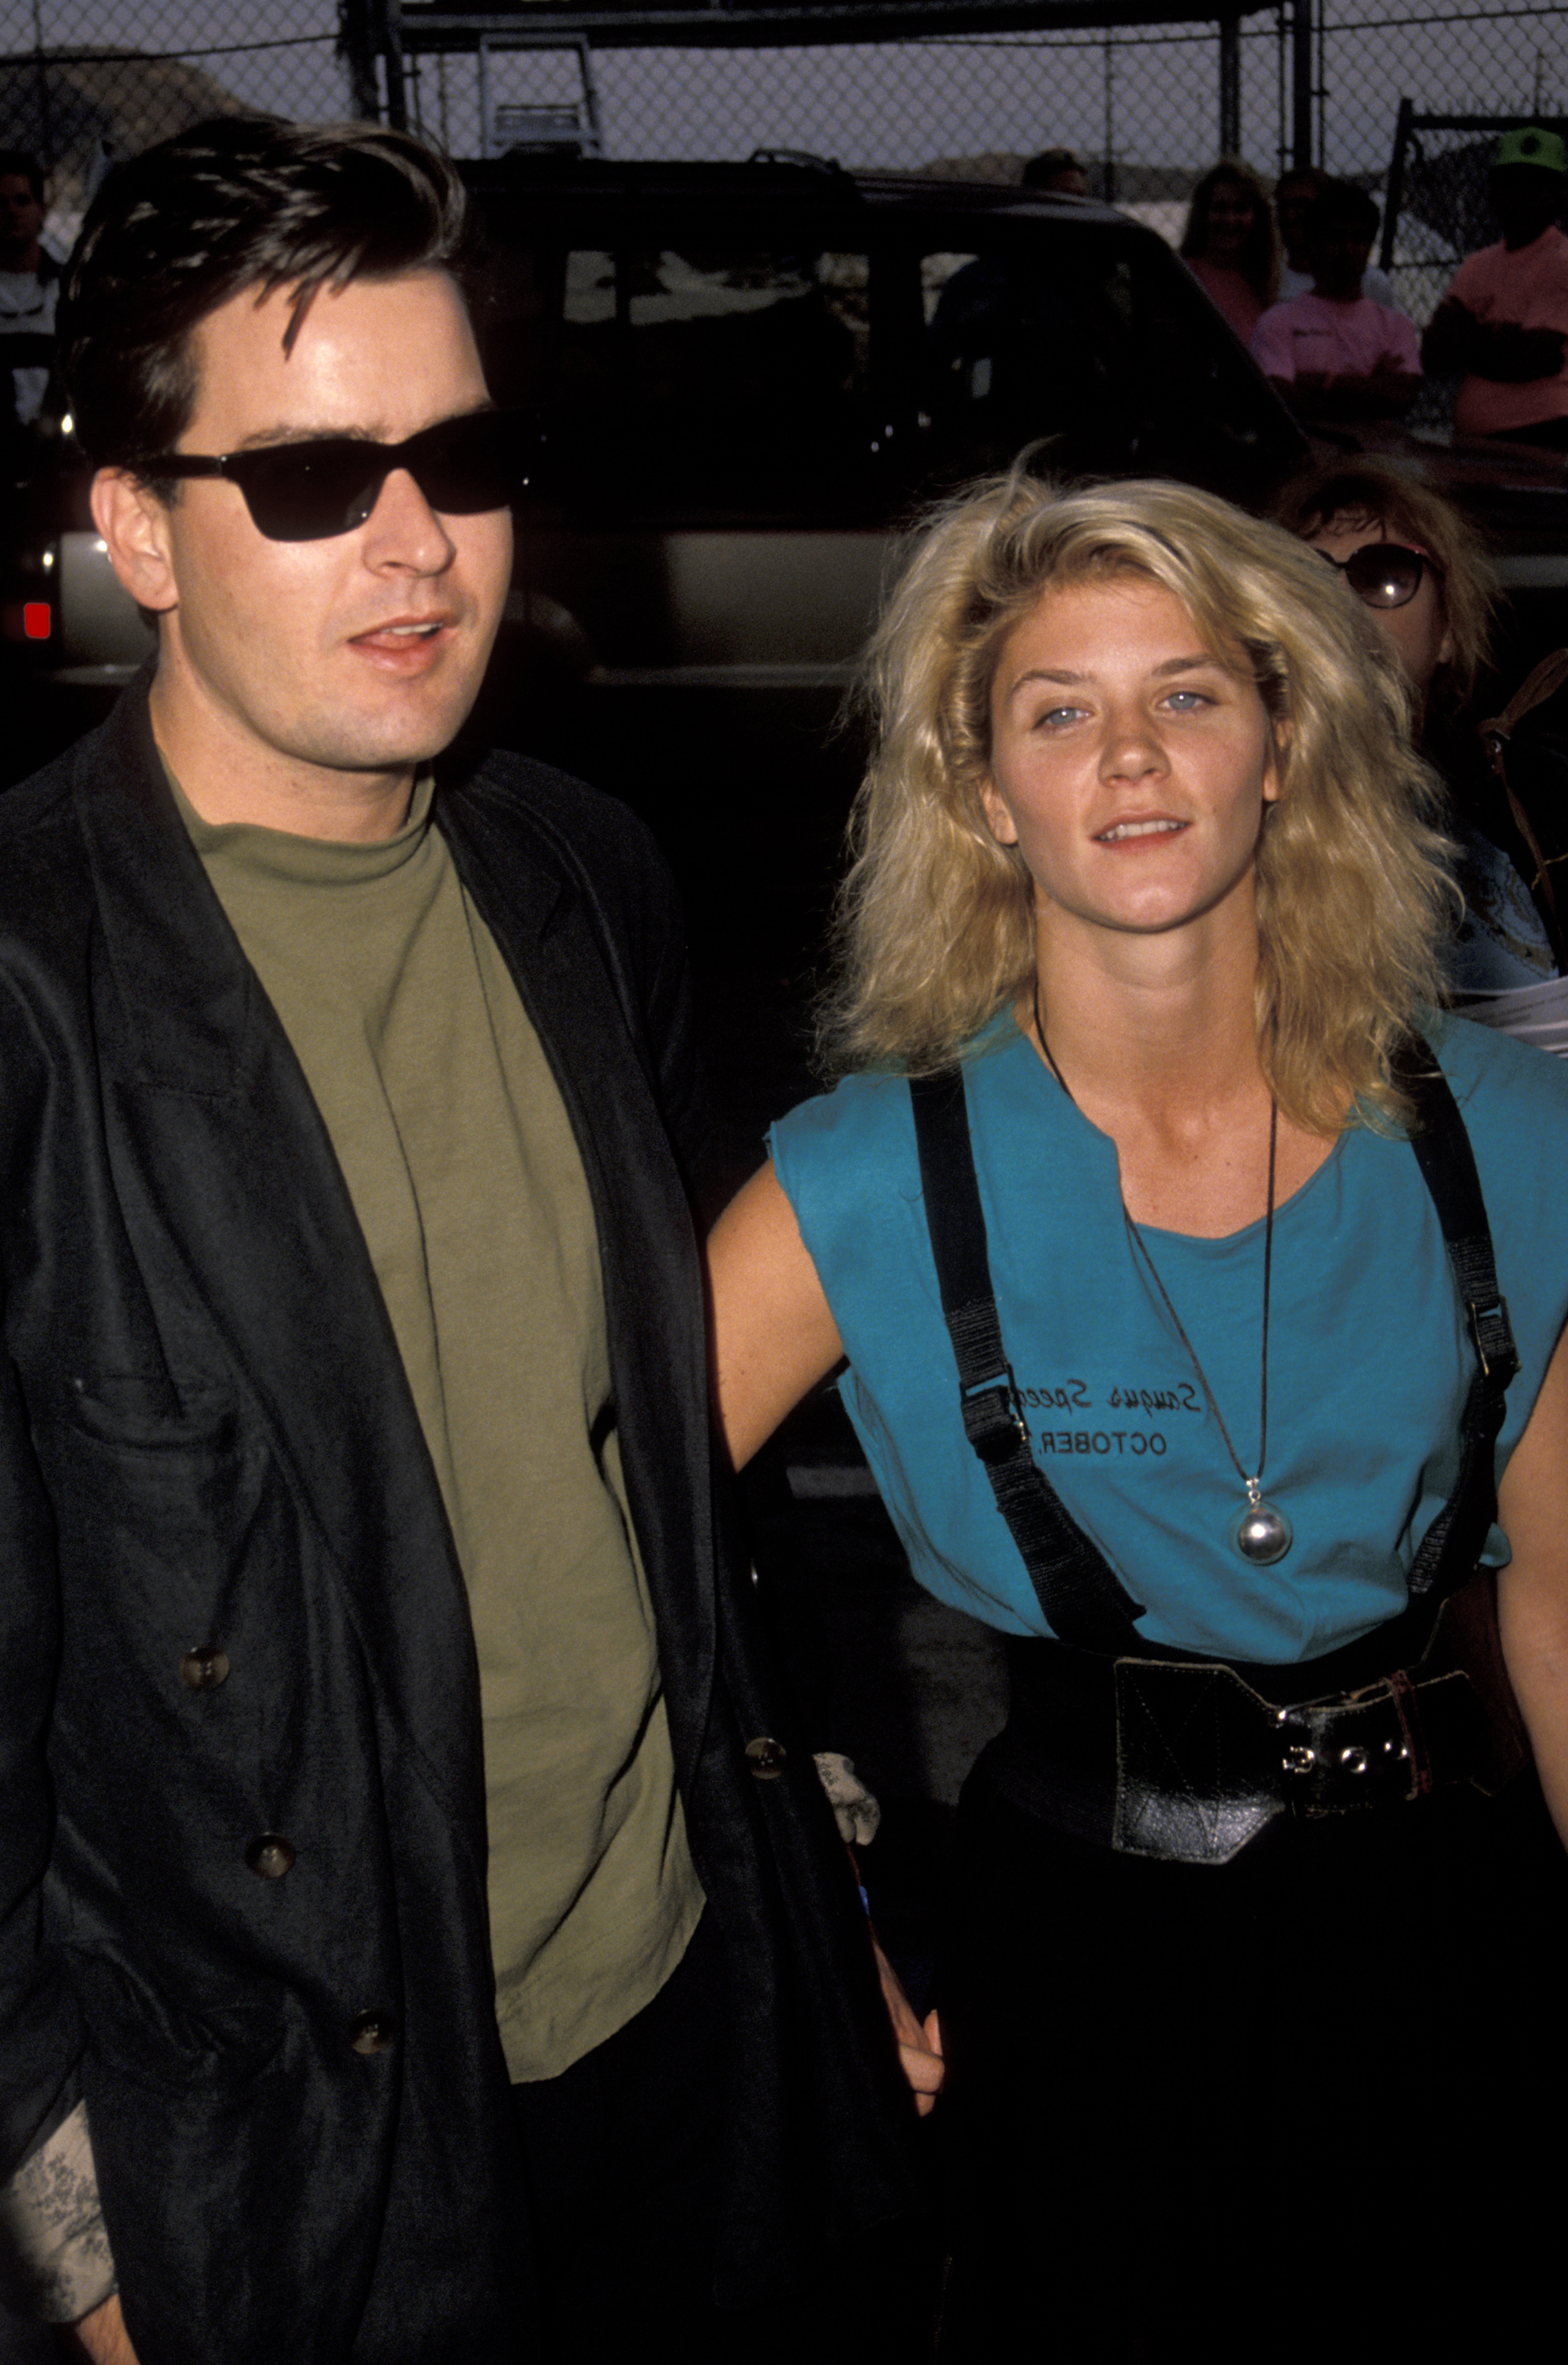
(242, 201)
(1340, 204)
(1042, 170)
(21, 163)
(1301, 177)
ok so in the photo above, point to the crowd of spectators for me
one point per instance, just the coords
(1295, 281)
(29, 279)
(29, 283)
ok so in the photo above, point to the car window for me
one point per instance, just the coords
(1092, 351)
(712, 378)
(773, 367)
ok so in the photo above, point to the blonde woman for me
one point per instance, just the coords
(1202, 1391)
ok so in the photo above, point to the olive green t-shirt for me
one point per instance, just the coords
(465, 1177)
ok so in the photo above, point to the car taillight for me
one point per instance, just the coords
(37, 620)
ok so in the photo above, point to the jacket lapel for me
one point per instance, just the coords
(224, 1165)
(566, 957)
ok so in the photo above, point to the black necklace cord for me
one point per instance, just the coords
(1136, 1235)
(1141, 1249)
(1268, 1279)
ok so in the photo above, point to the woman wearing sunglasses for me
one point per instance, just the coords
(1143, 1228)
(1425, 586)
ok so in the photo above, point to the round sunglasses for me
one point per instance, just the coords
(327, 484)
(1384, 574)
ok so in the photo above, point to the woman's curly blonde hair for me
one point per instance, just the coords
(934, 929)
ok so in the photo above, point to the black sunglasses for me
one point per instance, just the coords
(1384, 574)
(327, 484)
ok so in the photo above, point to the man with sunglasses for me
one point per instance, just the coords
(411, 1916)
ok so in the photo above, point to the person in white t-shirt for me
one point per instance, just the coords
(29, 280)
(1296, 193)
(1333, 353)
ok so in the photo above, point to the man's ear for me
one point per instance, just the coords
(134, 524)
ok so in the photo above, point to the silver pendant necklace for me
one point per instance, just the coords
(1260, 1533)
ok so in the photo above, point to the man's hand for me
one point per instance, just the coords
(103, 2334)
(920, 2049)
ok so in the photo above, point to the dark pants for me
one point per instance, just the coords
(1303, 2105)
(621, 2153)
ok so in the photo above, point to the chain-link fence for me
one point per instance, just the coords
(81, 80)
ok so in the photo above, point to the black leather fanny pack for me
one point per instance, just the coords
(1204, 1763)
(1190, 1760)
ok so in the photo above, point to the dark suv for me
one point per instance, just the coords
(745, 375)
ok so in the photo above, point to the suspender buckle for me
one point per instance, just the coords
(993, 1422)
(1494, 1337)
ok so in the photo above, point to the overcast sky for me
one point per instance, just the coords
(902, 106)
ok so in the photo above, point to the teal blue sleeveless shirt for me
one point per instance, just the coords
(1369, 1361)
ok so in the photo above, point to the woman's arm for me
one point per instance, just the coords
(773, 1338)
(1532, 1591)
(773, 1335)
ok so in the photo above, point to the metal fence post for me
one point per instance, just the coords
(46, 122)
(1230, 85)
(1394, 198)
(1108, 171)
(1301, 84)
(356, 46)
(391, 46)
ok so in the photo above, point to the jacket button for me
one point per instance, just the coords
(271, 1855)
(373, 2032)
(767, 1758)
(203, 1669)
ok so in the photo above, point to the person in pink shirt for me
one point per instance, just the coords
(1228, 244)
(1333, 352)
(1504, 322)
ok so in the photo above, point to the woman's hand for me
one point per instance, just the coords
(920, 2048)
(773, 1335)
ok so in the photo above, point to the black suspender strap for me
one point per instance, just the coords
(1453, 1543)
(1084, 1601)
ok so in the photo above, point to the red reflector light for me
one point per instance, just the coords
(36, 620)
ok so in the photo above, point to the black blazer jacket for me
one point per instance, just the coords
(298, 2103)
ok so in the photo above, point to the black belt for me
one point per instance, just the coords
(1190, 1759)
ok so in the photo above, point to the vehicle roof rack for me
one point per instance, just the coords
(800, 160)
